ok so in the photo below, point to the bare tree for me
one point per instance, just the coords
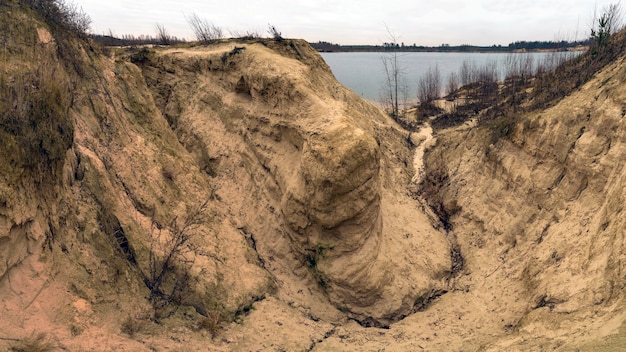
(429, 86)
(511, 66)
(394, 74)
(204, 30)
(517, 69)
(527, 67)
(467, 72)
(453, 83)
(162, 34)
(488, 73)
(487, 78)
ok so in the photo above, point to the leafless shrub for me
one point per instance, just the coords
(275, 33)
(140, 55)
(519, 66)
(162, 34)
(488, 73)
(429, 86)
(552, 60)
(204, 30)
(387, 94)
(511, 66)
(75, 18)
(487, 79)
(170, 260)
(64, 14)
(527, 66)
(555, 59)
(453, 84)
(467, 72)
(518, 69)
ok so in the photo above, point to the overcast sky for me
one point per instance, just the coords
(424, 22)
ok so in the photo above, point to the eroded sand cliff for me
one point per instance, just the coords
(313, 221)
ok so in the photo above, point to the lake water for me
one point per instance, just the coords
(363, 73)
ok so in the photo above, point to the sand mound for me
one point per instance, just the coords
(317, 147)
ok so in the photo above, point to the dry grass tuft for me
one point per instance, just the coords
(211, 323)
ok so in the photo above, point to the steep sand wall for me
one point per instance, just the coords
(538, 213)
(318, 149)
(303, 188)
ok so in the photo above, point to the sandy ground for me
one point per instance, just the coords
(423, 140)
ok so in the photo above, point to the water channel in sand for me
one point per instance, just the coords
(423, 139)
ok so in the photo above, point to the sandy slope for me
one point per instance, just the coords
(537, 214)
(309, 220)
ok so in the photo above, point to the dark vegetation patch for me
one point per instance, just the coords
(37, 83)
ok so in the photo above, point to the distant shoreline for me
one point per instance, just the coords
(518, 47)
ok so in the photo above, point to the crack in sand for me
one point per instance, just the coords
(328, 334)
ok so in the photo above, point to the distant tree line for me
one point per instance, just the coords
(401, 47)
(539, 45)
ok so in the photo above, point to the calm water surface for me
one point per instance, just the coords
(363, 72)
